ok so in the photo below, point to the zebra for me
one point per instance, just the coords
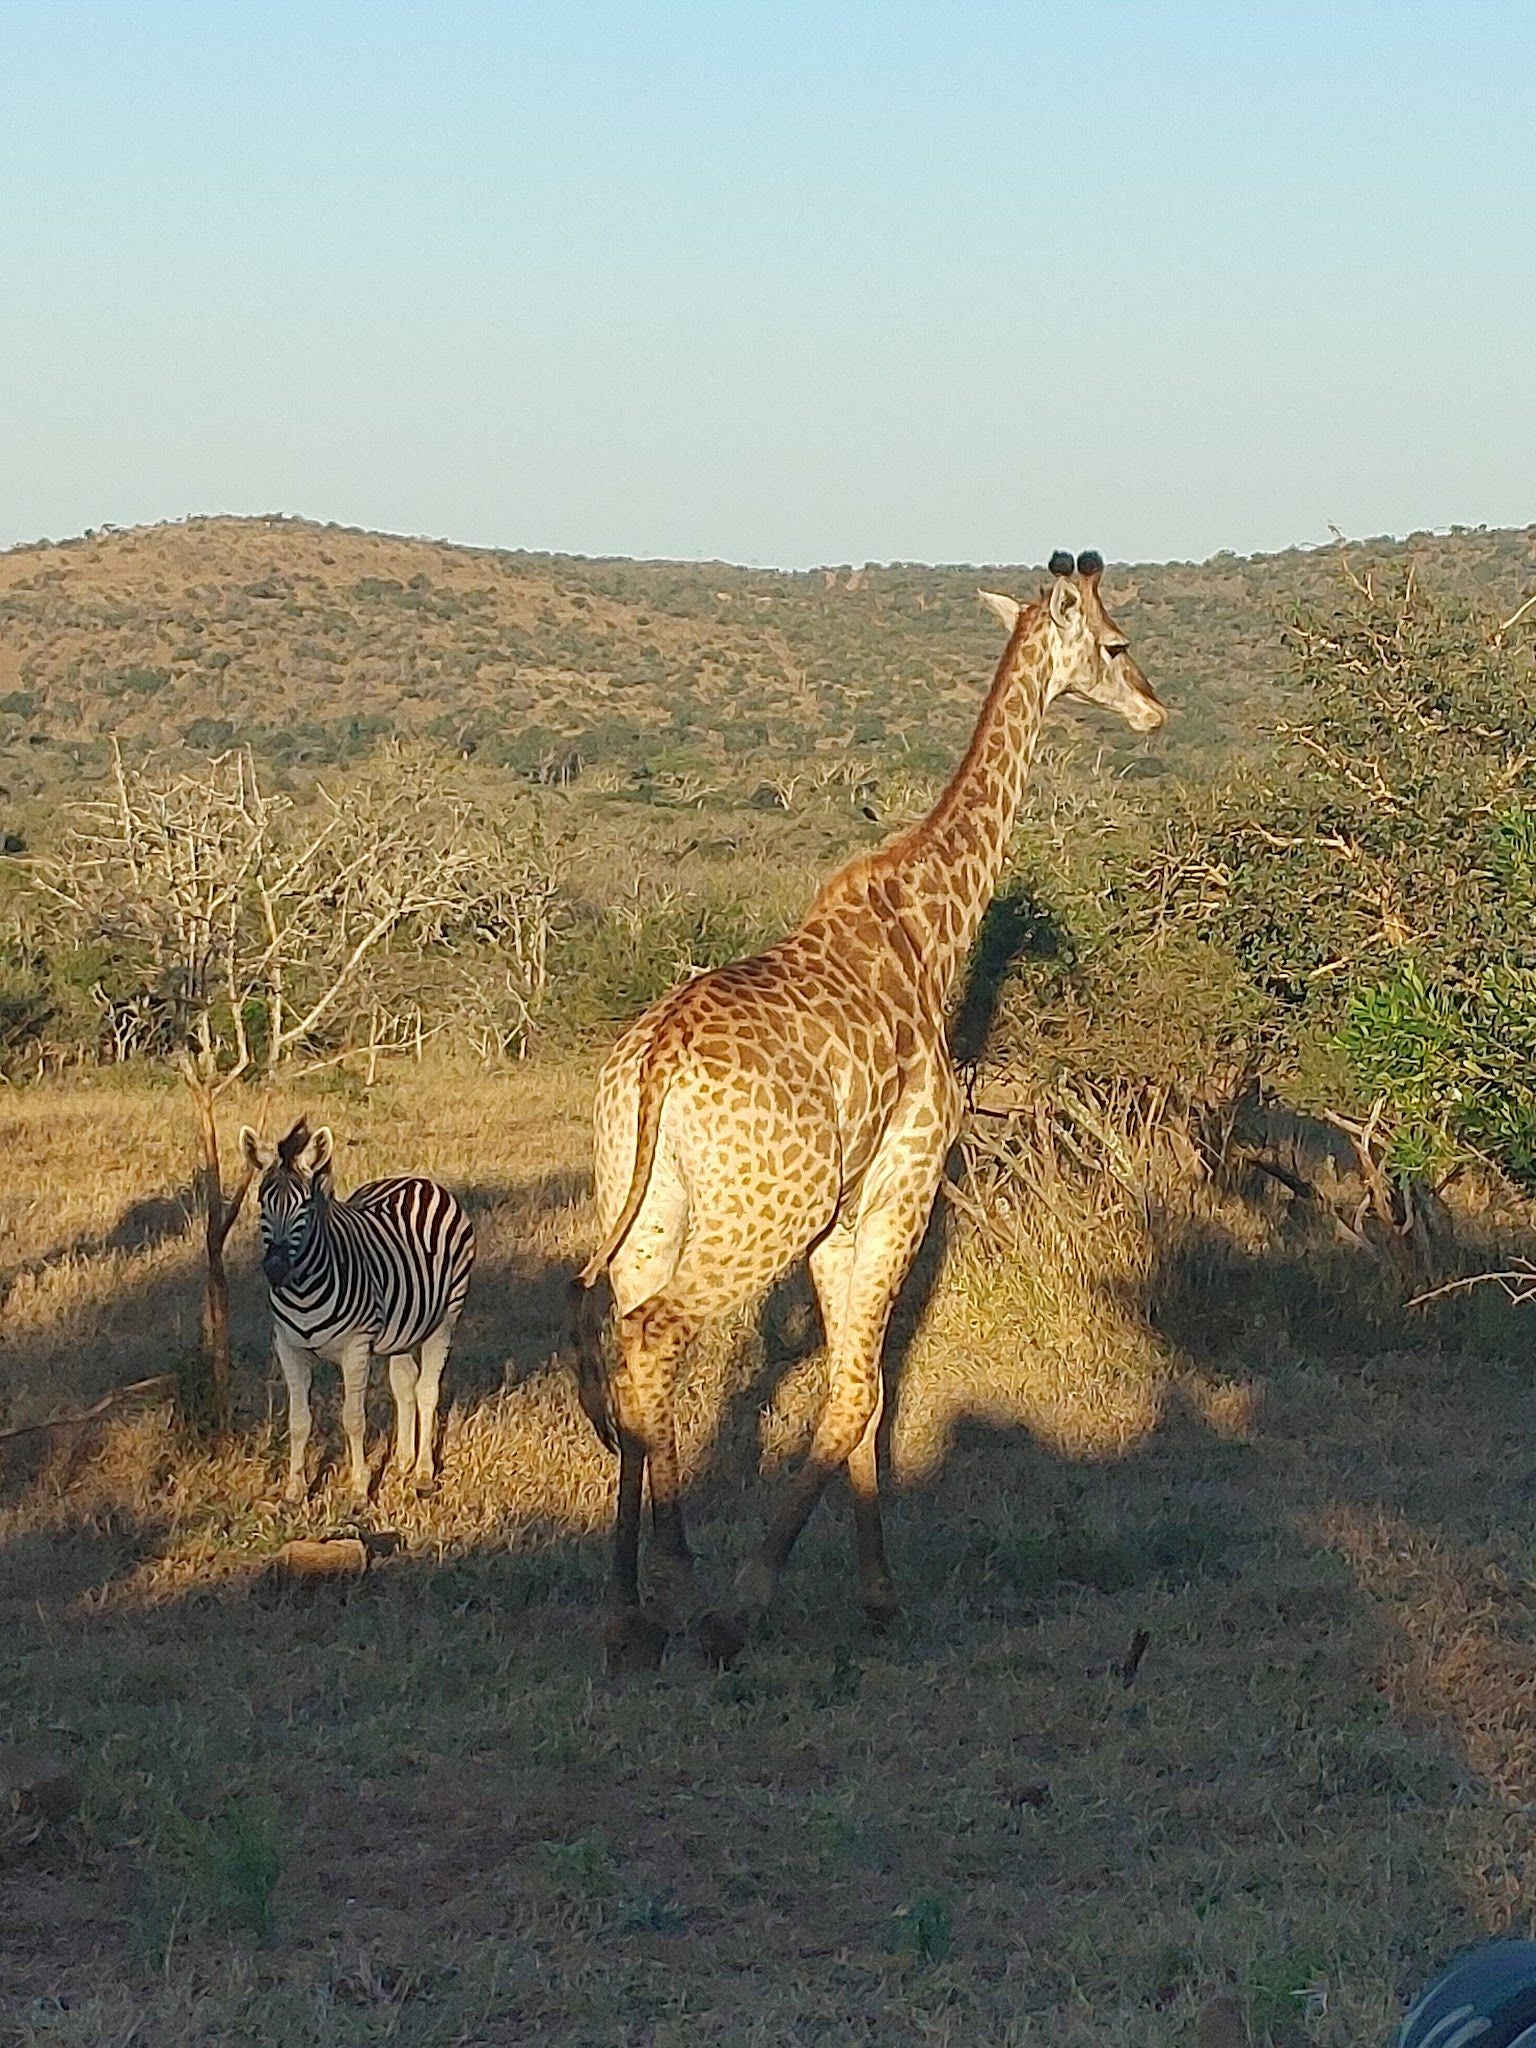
(381, 1272)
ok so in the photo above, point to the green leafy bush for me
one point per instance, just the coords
(1379, 880)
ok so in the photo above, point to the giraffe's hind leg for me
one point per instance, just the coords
(652, 1340)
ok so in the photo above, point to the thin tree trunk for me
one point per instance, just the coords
(219, 1219)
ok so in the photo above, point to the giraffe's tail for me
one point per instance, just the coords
(590, 1303)
(591, 1290)
(654, 1078)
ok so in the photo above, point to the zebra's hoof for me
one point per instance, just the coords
(722, 1638)
(633, 1640)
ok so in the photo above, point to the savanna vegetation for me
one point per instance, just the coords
(1210, 1706)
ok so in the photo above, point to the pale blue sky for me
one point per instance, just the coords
(775, 282)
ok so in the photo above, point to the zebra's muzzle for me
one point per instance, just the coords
(277, 1266)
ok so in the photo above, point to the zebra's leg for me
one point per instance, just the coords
(355, 1360)
(298, 1368)
(434, 1356)
(402, 1385)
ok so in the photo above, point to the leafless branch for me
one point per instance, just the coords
(1519, 1283)
(160, 1381)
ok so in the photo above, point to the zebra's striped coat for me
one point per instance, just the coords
(393, 1264)
(383, 1271)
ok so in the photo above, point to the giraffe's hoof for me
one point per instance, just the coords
(882, 1612)
(633, 1640)
(722, 1638)
(673, 1600)
(425, 1488)
(295, 1493)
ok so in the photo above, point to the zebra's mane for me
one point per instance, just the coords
(290, 1149)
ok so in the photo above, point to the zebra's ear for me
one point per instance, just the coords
(250, 1149)
(321, 1151)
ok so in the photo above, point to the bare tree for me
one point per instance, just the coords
(241, 930)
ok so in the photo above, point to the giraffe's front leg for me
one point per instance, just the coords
(876, 1592)
(862, 1275)
(852, 1407)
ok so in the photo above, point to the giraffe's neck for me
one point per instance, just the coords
(946, 868)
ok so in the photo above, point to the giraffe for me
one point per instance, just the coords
(802, 1103)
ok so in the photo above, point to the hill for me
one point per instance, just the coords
(314, 642)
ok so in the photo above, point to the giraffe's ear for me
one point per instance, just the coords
(1066, 600)
(1005, 608)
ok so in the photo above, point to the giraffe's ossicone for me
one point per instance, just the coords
(802, 1104)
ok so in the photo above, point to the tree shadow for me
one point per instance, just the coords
(514, 1320)
(105, 1544)
(148, 1222)
(1299, 1284)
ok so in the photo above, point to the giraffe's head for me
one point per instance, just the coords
(1089, 655)
(295, 1185)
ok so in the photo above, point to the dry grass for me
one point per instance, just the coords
(411, 1810)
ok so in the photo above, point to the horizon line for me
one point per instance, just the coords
(1337, 540)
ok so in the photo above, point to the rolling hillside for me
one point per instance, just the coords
(314, 642)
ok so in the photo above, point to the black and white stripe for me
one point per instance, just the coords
(390, 1262)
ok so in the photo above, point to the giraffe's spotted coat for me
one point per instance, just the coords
(803, 1102)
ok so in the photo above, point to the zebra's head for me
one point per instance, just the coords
(295, 1186)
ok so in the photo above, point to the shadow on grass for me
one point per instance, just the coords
(150, 1221)
(433, 1740)
(1157, 1692)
